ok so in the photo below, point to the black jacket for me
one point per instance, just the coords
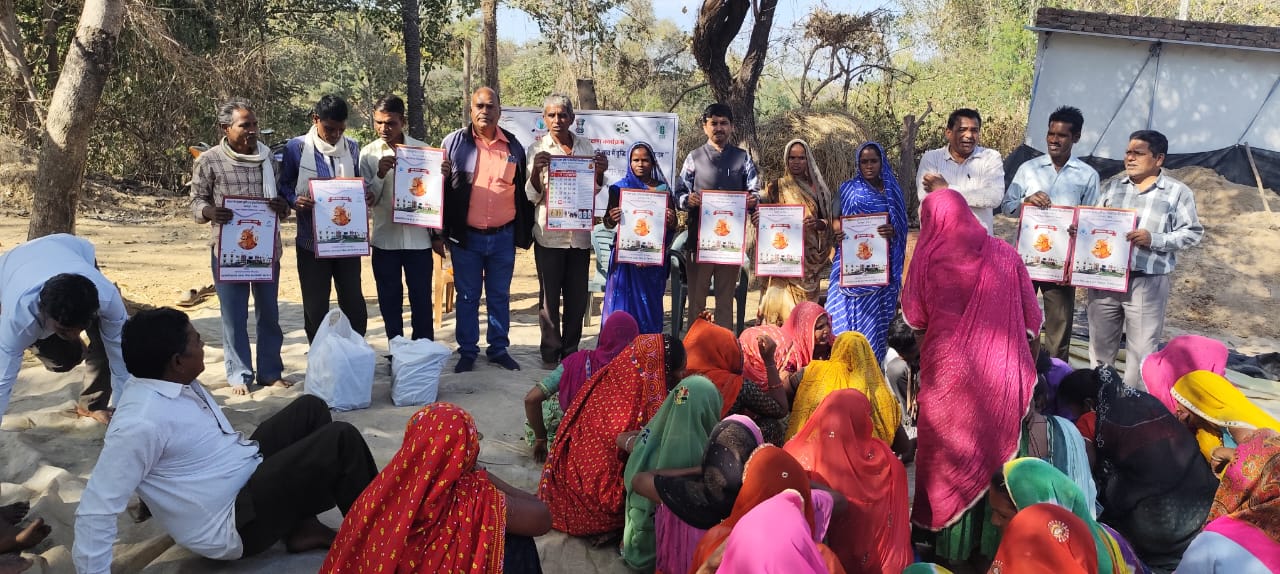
(460, 146)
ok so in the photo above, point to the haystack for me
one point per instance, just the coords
(833, 137)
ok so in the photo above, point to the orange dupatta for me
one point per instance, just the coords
(713, 352)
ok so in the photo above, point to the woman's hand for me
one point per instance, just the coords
(613, 216)
(540, 450)
(767, 347)
(1221, 457)
(885, 231)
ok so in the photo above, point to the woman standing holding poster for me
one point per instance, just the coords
(638, 289)
(869, 310)
(802, 184)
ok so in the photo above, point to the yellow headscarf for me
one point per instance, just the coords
(1216, 400)
(852, 366)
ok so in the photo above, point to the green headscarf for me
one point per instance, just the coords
(1031, 480)
(674, 438)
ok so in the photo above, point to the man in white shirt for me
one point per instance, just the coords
(1055, 178)
(215, 492)
(974, 171)
(50, 292)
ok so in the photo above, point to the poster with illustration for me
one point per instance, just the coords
(247, 243)
(642, 229)
(571, 193)
(1101, 257)
(722, 228)
(341, 217)
(780, 247)
(419, 187)
(864, 253)
(1044, 241)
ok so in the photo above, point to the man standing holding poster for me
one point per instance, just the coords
(322, 153)
(241, 166)
(976, 172)
(563, 258)
(397, 247)
(1167, 224)
(484, 221)
(721, 166)
(1055, 178)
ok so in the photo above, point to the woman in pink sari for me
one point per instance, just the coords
(1184, 354)
(969, 298)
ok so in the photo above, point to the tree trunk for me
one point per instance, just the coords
(489, 9)
(54, 14)
(60, 170)
(719, 22)
(907, 163)
(413, 68)
(587, 94)
(26, 98)
(466, 81)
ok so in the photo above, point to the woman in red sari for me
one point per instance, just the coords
(970, 299)
(582, 479)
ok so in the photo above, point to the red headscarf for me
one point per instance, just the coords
(753, 364)
(429, 510)
(799, 328)
(1046, 539)
(618, 331)
(836, 446)
(713, 352)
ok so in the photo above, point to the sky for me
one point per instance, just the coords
(515, 26)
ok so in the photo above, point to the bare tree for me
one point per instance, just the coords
(489, 10)
(26, 97)
(413, 67)
(60, 170)
(907, 161)
(719, 21)
(842, 49)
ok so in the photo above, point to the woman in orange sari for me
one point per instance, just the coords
(431, 509)
(1046, 539)
(837, 448)
(714, 353)
(582, 479)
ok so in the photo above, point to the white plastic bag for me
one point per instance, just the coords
(415, 370)
(340, 365)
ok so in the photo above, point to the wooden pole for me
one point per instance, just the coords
(1248, 152)
(466, 81)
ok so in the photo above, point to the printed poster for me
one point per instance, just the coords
(341, 217)
(419, 187)
(247, 244)
(1044, 242)
(780, 247)
(1101, 258)
(642, 230)
(864, 253)
(571, 193)
(722, 228)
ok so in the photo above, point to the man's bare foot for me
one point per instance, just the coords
(103, 416)
(279, 384)
(310, 534)
(13, 564)
(13, 540)
(14, 513)
(240, 390)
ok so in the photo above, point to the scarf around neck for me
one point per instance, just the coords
(340, 155)
(261, 159)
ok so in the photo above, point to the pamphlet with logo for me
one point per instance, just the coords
(341, 217)
(247, 243)
(722, 229)
(571, 193)
(642, 229)
(780, 247)
(419, 187)
(1101, 258)
(1044, 241)
(864, 253)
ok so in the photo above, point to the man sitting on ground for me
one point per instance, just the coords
(216, 493)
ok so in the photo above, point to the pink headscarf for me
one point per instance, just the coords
(799, 327)
(618, 332)
(773, 537)
(1184, 354)
(752, 363)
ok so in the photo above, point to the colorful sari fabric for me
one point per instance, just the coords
(673, 439)
(925, 568)
(1214, 399)
(1066, 452)
(752, 363)
(1154, 487)
(1033, 481)
(713, 352)
(1250, 489)
(852, 366)
(582, 479)
(638, 289)
(1184, 353)
(799, 328)
(869, 310)
(774, 537)
(429, 510)
(816, 199)
(1046, 539)
(836, 446)
(971, 295)
(1230, 546)
(618, 331)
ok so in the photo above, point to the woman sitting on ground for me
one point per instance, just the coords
(1057, 441)
(547, 401)
(808, 327)
(1243, 535)
(1046, 539)
(774, 537)
(714, 353)
(432, 509)
(1216, 411)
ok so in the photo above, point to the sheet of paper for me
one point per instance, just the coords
(341, 217)
(1044, 242)
(570, 193)
(1101, 257)
(864, 253)
(780, 243)
(419, 187)
(642, 230)
(247, 244)
(722, 228)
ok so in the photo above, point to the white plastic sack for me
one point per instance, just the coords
(415, 370)
(340, 365)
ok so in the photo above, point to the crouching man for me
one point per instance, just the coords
(215, 492)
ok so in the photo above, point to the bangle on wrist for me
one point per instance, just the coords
(538, 440)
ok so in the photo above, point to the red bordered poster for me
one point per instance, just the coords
(1101, 253)
(247, 243)
(341, 217)
(780, 241)
(1044, 241)
(864, 253)
(418, 197)
(642, 230)
(571, 193)
(722, 228)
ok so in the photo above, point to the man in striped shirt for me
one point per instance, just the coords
(1167, 224)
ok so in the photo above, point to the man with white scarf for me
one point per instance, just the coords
(241, 166)
(322, 153)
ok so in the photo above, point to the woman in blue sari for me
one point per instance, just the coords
(638, 289)
(869, 310)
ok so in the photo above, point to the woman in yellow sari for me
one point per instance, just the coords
(1212, 407)
(801, 184)
(852, 366)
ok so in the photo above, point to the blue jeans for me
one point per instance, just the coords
(233, 301)
(491, 258)
(417, 265)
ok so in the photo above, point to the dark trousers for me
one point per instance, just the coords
(520, 556)
(310, 464)
(699, 282)
(315, 276)
(60, 355)
(417, 265)
(1059, 309)
(562, 274)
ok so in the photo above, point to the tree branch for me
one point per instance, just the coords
(685, 93)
